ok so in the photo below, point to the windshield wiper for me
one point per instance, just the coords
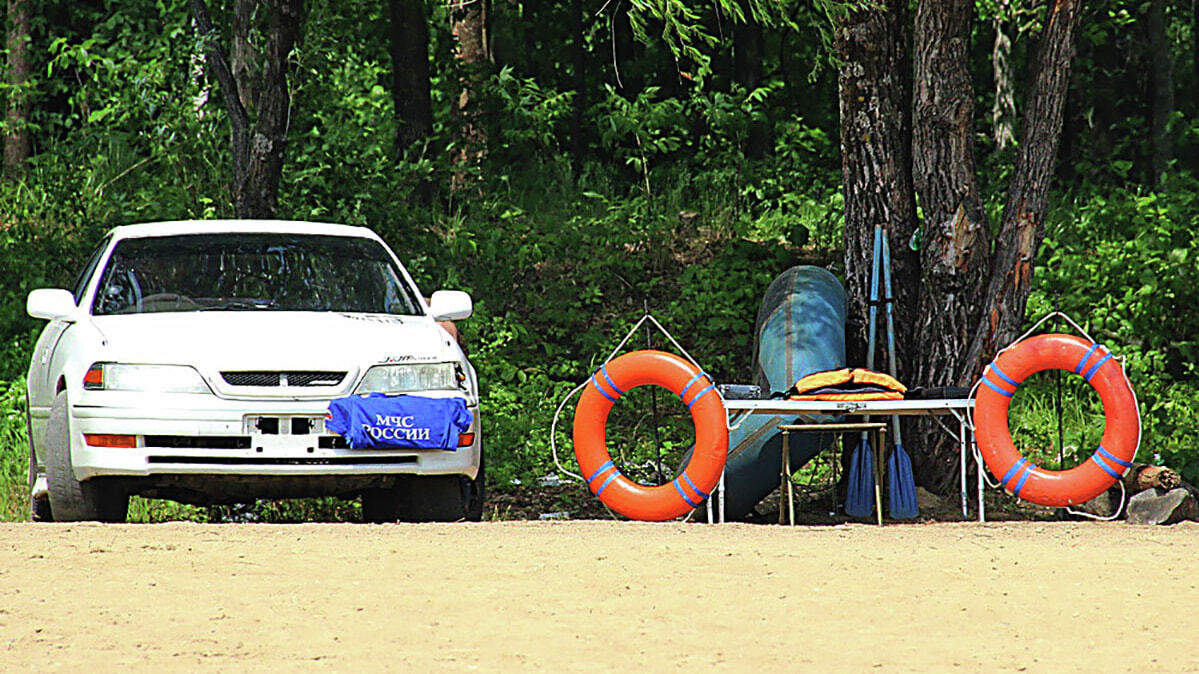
(242, 305)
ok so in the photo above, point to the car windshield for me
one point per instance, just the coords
(252, 272)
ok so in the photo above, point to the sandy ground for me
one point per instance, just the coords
(598, 596)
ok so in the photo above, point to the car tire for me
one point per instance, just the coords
(477, 493)
(72, 500)
(432, 498)
(39, 508)
(380, 506)
(419, 498)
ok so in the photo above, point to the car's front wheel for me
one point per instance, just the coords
(425, 498)
(39, 506)
(70, 499)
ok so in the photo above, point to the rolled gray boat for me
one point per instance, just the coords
(800, 329)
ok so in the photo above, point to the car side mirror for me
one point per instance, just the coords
(450, 305)
(51, 304)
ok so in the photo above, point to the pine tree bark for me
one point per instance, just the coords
(410, 91)
(874, 81)
(258, 144)
(17, 145)
(1023, 225)
(954, 244)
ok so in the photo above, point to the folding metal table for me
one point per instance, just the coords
(959, 408)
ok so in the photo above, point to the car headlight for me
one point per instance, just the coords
(144, 378)
(410, 377)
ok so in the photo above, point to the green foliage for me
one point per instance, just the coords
(14, 452)
(662, 209)
(1123, 263)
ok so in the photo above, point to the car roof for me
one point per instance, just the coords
(178, 227)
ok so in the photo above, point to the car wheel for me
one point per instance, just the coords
(477, 493)
(39, 506)
(380, 505)
(432, 498)
(420, 498)
(70, 499)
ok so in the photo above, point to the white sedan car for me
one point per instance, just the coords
(195, 361)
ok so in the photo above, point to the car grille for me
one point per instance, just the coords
(287, 378)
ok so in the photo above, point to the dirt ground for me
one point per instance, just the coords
(596, 595)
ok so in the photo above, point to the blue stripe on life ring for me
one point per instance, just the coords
(1085, 356)
(700, 395)
(1012, 471)
(995, 367)
(1091, 372)
(1106, 468)
(606, 465)
(693, 487)
(690, 382)
(615, 474)
(682, 493)
(595, 382)
(996, 389)
(1108, 455)
(1024, 478)
(604, 369)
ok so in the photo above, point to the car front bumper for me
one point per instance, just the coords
(205, 435)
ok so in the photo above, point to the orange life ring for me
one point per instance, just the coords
(697, 479)
(1122, 423)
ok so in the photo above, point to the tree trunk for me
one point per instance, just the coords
(258, 145)
(747, 71)
(469, 21)
(1162, 89)
(243, 57)
(954, 244)
(1003, 112)
(16, 139)
(409, 47)
(874, 84)
(1023, 225)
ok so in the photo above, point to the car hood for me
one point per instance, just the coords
(272, 340)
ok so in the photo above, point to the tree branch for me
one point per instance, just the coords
(1023, 225)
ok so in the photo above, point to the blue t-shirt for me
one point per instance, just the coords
(378, 421)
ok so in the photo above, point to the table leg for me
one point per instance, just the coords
(978, 462)
(790, 486)
(962, 451)
(784, 472)
(721, 508)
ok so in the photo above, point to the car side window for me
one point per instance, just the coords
(88, 269)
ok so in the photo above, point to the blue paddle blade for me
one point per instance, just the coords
(859, 497)
(902, 486)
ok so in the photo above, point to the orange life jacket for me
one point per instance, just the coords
(847, 384)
